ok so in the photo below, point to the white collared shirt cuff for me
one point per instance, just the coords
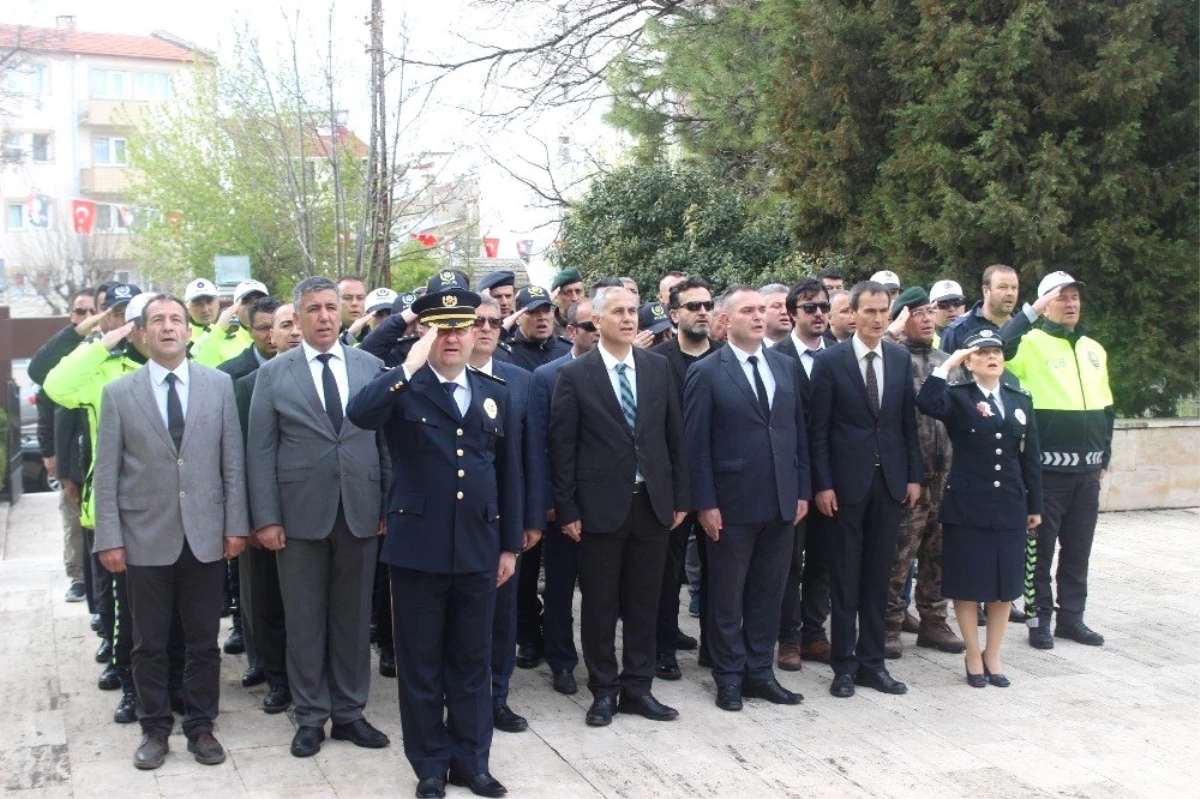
(940, 371)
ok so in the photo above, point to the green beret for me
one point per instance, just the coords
(911, 297)
(564, 278)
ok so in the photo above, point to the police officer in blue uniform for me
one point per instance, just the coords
(993, 496)
(454, 532)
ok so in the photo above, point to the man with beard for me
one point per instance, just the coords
(841, 318)
(779, 324)
(692, 311)
(1001, 288)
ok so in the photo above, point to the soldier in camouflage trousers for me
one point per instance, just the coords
(920, 531)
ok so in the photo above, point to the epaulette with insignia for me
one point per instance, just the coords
(481, 373)
(403, 339)
(504, 345)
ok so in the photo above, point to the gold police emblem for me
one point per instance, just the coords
(535, 291)
(659, 311)
(489, 407)
(449, 301)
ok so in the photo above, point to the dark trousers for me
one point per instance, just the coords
(667, 635)
(122, 639)
(327, 606)
(862, 546)
(806, 593)
(381, 606)
(443, 631)
(558, 625)
(620, 575)
(154, 593)
(263, 617)
(702, 556)
(747, 569)
(1071, 503)
(504, 635)
(98, 583)
(529, 606)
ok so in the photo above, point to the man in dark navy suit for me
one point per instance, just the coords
(454, 533)
(488, 325)
(750, 485)
(806, 594)
(620, 484)
(866, 462)
(561, 553)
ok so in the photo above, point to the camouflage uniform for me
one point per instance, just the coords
(920, 532)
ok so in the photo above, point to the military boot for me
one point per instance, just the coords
(892, 647)
(936, 634)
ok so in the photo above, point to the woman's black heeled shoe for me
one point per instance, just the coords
(998, 680)
(976, 680)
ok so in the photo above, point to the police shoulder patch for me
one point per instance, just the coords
(485, 375)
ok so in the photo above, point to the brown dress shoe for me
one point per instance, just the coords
(892, 646)
(936, 634)
(789, 657)
(910, 624)
(817, 651)
(207, 749)
(153, 750)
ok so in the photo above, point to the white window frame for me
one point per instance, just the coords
(33, 159)
(141, 84)
(8, 210)
(106, 92)
(21, 79)
(111, 151)
(108, 219)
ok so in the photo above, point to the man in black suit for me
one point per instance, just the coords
(746, 401)
(806, 595)
(691, 309)
(866, 461)
(620, 483)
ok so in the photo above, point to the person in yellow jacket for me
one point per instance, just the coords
(1066, 371)
(229, 335)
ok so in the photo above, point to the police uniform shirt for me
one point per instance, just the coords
(764, 370)
(462, 394)
(994, 396)
(860, 355)
(158, 378)
(807, 353)
(337, 364)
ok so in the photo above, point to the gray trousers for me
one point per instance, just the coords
(326, 586)
(73, 550)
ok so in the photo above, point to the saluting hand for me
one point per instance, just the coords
(710, 520)
(643, 339)
(512, 319)
(1041, 303)
(955, 360)
(88, 325)
(234, 546)
(897, 327)
(506, 568)
(114, 337)
(419, 353)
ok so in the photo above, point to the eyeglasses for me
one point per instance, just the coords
(81, 311)
(487, 321)
(948, 305)
(813, 307)
(698, 305)
(588, 326)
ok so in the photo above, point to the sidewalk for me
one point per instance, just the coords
(1078, 722)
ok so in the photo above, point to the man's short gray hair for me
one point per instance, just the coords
(773, 288)
(489, 302)
(311, 285)
(601, 299)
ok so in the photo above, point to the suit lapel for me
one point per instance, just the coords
(733, 367)
(604, 389)
(304, 381)
(850, 361)
(978, 397)
(143, 393)
(197, 386)
(432, 388)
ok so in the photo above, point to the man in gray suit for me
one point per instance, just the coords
(317, 487)
(169, 430)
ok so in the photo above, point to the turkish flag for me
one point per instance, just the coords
(84, 214)
(491, 247)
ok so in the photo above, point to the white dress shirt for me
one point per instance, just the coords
(806, 360)
(860, 354)
(337, 364)
(158, 378)
(764, 370)
(994, 396)
(462, 395)
(610, 366)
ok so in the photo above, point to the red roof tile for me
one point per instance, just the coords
(62, 40)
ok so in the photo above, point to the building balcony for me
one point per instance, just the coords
(114, 113)
(105, 179)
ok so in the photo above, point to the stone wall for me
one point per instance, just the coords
(1155, 464)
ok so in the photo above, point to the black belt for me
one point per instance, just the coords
(638, 487)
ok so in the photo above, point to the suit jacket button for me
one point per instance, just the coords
(999, 435)
(999, 452)
(997, 467)
(996, 484)
(459, 495)
(179, 462)
(461, 473)
(458, 432)
(460, 453)
(182, 494)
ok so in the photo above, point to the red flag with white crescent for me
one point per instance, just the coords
(84, 214)
(491, 247)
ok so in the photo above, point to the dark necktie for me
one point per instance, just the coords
(991, 398)
(333, 398)
(810, 353)
(174, 411)
(450, 388)
(760, 388)
(872, 384)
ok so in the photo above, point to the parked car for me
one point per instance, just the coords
(34, 474)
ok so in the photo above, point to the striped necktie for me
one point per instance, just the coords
(628, 406)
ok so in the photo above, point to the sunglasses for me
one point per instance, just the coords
(81, 311)
(486, 321)
(588, 326)
(947, 305)
(813, 307)
(697, 305)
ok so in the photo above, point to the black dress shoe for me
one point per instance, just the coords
(387, 663)
(771, 691)
(1016, 616)
(109, 679)
(505, 720)
(431, 788)
(1078, 632)
(564, 683)
(483, 784)
(667, 668)
(528, 657)
(96, 623)
(881, 681)
(277, 699)
(307, 741)
(998, 680)
(601, 712)
(153, 750)
(842, 686)
(104, 651)
(704, 660)
(729, 697)
(253, 676)
(684, 642)
(126, 712)
(647, 706)
(360, 733)
(1039, 637)
(235, 644)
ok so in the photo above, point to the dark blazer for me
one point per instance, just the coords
(788, 347)
(594, 457)
(844, 434)
(753, 468)
(240, 365)
(995, 478)
(518, 381)
(541, 390)
(456, 499)
(243, 392)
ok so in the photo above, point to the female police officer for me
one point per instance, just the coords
(993, 494)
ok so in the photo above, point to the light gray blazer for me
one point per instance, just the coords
(298, 468)
(148, 497)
